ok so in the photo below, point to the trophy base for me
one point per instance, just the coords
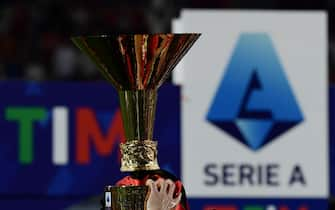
(125, 198)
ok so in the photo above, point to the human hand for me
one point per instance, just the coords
(162, 195)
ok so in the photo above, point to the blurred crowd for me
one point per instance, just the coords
(34, 35)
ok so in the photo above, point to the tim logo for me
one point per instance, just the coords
(254, 102)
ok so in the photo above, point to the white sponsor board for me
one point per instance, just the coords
(247, 55)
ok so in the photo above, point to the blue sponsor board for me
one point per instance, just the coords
(35, 174)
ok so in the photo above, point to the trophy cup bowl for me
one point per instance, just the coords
(136, 65)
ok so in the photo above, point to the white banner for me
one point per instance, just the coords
(254, 110)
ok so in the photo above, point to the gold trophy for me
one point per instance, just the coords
(137, 65)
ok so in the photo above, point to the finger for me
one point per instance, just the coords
(166, 186)
(151, 184)
(160, 185)
(172, 186)
(175, 201)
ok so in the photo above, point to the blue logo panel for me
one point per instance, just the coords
(254, 102)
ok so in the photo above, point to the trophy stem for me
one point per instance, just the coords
(138, 107)
(138, 113)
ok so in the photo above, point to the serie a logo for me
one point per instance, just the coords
(254, 102)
